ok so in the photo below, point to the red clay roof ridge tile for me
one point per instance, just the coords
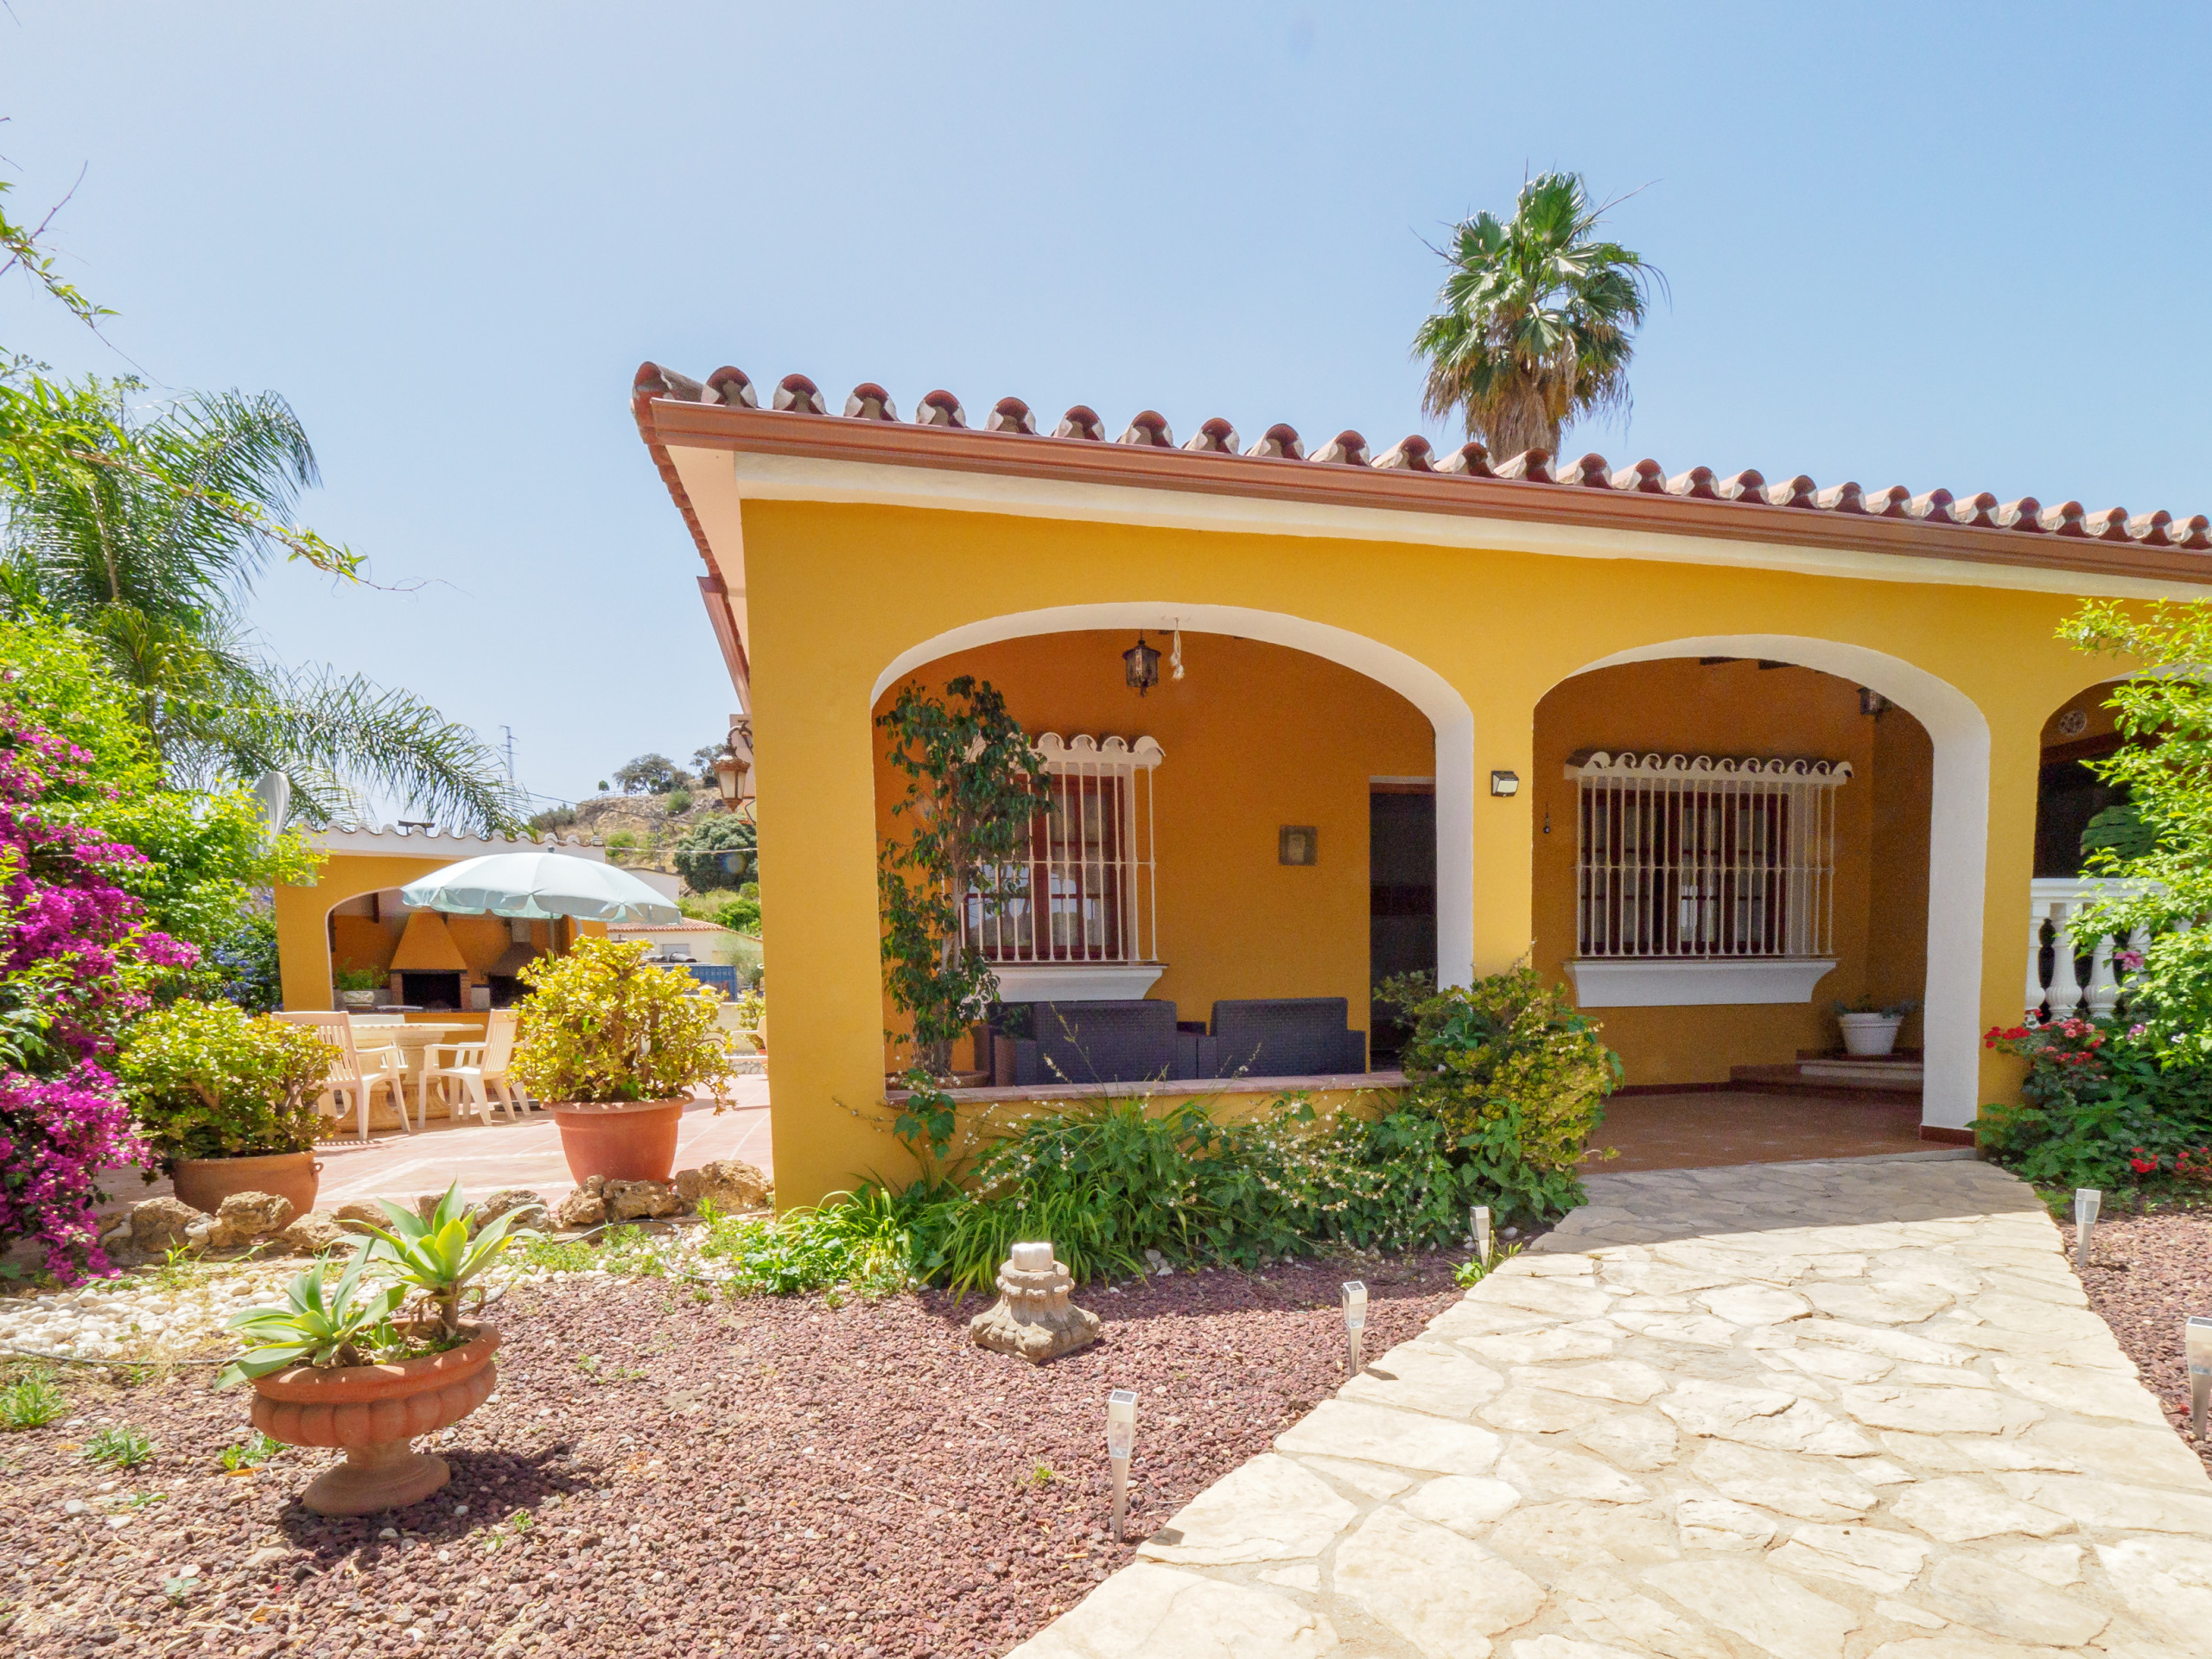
(1010, 416)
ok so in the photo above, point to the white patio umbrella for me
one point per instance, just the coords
(539, 885)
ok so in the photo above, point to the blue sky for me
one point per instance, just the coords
(1956, 246)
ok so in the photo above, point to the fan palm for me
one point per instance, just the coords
(1535, 325)
(155, 551)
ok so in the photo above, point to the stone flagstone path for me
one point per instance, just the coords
(1848, 1410)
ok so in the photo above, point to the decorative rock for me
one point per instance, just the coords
(1033, 1318)
(244, 1218)
(314, 1233)
(729, 1183)
(161, 1224)
(584, 1207)
(1271, 1510)
(1774, 1614)
(367, 1211)
(489, 1208)
(1443, 1594)
(641, 1200)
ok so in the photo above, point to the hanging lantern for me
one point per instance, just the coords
(1141, 666)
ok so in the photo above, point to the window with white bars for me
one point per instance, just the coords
(1087, 891)
(1693, 857)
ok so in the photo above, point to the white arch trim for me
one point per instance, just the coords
(1958, 839)
(1418, 684)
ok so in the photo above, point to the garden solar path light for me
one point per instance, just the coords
(1482, 1233)
(1354, 1318)
(2086, 1201)
(1120, 1441)
(2197, 1349)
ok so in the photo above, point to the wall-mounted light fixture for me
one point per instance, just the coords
(1873, 703)
(1298, 844)
(1505, 783)
(1141, 666)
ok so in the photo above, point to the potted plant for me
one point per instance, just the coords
(1870, 1030)
(360, 988)
(346, 1365)
(612, 1047)
(227, 1100)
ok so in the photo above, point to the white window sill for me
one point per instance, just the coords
(1660, 982)
(1076, 982)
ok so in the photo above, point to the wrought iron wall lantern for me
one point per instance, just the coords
(1141, 666)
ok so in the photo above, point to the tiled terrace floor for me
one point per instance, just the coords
(1850, 1410)
(1721, 1127)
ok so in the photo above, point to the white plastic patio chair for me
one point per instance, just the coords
(481, 1069)
(355, 1070)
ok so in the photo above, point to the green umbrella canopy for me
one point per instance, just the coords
(539, 885)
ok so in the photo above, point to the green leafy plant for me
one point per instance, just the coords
(1474, 1271)
(973, 786)
(31, 1401)
(676, 802)
(360, 979)
(1865, 1004)
(250, 1452)
(602, 1024)
(441, 1256)
(317, 1325)
(119, 1446)
(2104, 1104)
(208, 1080)
(1512, 1070)
(857, 1239)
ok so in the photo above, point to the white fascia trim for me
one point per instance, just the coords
(805, 478)
(399, 843)
(1656, 984)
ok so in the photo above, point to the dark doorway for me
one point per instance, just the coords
(2068, 795)
(1401, 901)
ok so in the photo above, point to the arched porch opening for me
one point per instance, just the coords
(1956, 818)
(1268, 821)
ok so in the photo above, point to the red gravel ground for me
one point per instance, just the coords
(2147, 1275)
(660, 1476)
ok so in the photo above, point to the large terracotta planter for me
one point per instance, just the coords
(623, 1139)
(372, 1411)
(204, 1183)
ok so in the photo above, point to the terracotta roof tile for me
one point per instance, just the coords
(1011, 418)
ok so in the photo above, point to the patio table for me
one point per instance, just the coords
(412, 1040)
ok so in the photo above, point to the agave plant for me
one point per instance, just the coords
(440, 1256)
(315, 1326)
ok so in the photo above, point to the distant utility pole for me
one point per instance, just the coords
(510, 747)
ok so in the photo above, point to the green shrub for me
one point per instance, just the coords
(119, 1446)
(857, 1239)
(31, 1401)
(602, 1024)
(209, 1080)
(2105, 1104)
(676, 802)
(361, 979)
(1515, 1073)
(718, 854)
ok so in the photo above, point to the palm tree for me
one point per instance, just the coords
(153, 550)
(1533, 326)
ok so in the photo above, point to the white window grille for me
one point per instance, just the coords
(1088, 890)
(1693, 857)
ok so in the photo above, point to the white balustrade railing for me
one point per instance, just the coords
(2055, 903)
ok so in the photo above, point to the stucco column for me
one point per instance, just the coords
(2015, 766)
(1504, 825)
(824, 982)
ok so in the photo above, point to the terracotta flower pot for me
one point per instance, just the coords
(622, 1140)
(372, 1411)
(204, 1183)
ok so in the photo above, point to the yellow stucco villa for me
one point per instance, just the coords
(1716, 753)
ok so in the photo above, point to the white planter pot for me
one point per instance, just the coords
(360, 1002)
(1869, 1034)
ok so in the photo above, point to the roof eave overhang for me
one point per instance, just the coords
(672, 423)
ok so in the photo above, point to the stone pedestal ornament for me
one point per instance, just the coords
(1032, 1317)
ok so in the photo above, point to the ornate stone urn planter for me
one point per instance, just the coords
(204, 1183)
(372, 1411)
(621, 1141)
